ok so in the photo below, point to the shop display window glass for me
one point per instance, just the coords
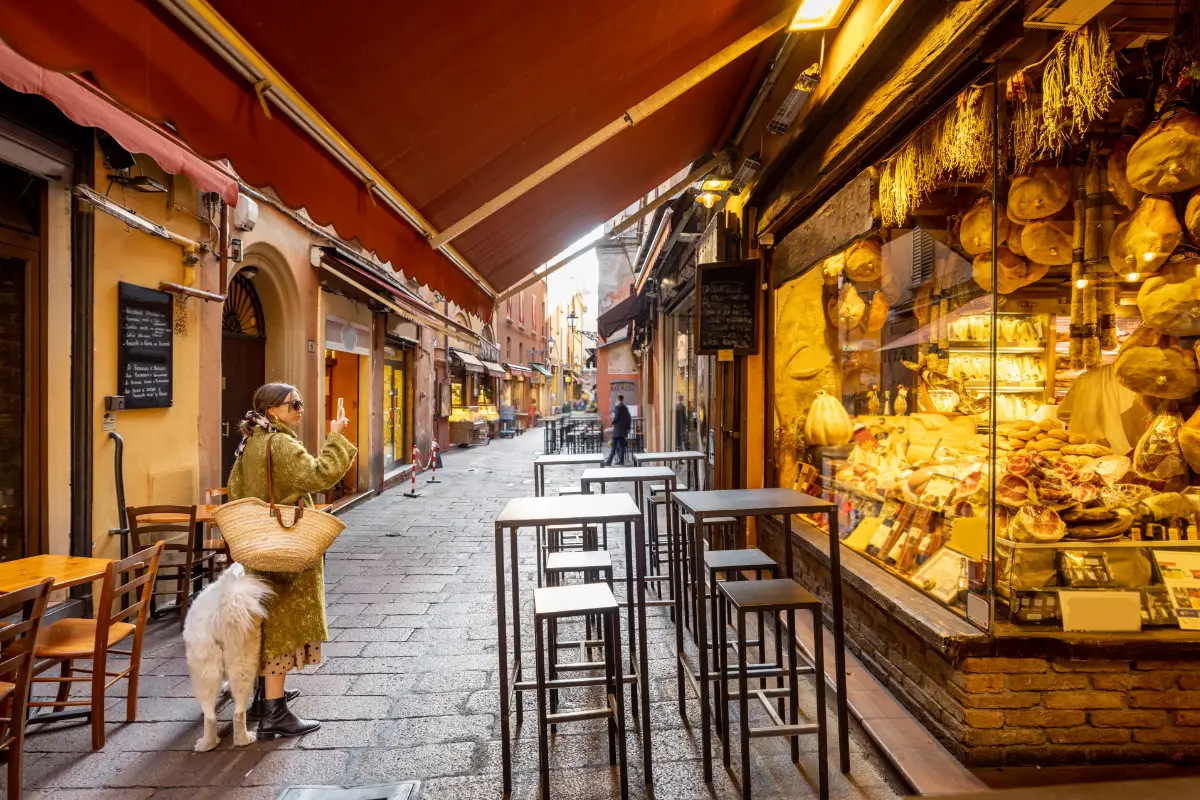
(1002, 399)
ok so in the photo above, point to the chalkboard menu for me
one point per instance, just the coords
(728, 293)
(145, 343)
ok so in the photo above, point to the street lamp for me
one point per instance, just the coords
(572, 320)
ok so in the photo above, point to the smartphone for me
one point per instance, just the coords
(341, 408)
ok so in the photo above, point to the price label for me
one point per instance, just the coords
(725, 355)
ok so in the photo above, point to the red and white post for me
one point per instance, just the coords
(416, 461)
(433, 457)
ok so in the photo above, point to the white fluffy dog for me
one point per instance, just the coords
(222, 636)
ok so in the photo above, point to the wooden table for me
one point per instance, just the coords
(755, 503)
(541, 512)
(67, 571)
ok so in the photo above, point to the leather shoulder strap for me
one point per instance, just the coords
(270, 471)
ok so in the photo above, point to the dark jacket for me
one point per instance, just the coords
(621, 421)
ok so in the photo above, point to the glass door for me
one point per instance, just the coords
(395, 412)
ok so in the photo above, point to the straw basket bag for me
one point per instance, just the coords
(271, 538)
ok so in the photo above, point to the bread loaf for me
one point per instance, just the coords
(1166, 158)
(1144, 242)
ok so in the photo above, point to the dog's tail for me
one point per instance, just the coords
(242, 599)
(226, 610)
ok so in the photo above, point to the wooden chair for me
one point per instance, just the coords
(213, 543)
(70, 640)
(16, 671)
(177, 537)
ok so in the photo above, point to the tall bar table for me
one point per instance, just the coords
(757, 503)
(639, 477)
(691, 458)
(560, 460)
(540, 512)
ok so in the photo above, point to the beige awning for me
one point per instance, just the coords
(469, 361)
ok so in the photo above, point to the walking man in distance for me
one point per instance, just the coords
(620, 430)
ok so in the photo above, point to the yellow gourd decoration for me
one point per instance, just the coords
(827, 422)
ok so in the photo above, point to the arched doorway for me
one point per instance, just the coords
(243, 361)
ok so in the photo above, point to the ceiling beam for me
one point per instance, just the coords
(631, 117)
(203, 20)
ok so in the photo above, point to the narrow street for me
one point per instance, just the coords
(407, 688)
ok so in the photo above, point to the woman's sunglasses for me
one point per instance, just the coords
(297, 405)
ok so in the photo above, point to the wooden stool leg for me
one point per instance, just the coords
(64, 688)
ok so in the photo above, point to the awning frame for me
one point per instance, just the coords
(469, 362)
(204, 21)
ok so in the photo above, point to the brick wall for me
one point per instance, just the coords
(1038, 710)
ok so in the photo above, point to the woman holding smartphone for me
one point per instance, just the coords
(294, 628)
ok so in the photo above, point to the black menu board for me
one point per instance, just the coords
(727, 293)
(145, 344)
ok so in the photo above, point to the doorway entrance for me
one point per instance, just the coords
(243, 362)
(396, 399)
(21, 365)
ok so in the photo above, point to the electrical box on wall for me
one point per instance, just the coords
(114, 402)
(245, 214)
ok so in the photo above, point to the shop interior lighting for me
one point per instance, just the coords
(796, 100)
(745, 173)
(708, 199)
(819, 15)
(1081, 283)
(1133, 276)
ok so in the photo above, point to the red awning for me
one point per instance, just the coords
(85, 105)
(451, 106)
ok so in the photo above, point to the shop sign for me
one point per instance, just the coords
(727, 314)
(145, 346)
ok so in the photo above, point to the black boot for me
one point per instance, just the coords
(278, 720)
(260, 697)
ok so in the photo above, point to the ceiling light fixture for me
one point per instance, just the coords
(819, 15)
(716, 184)
(796, 100)
(745, 173)
(708, 199)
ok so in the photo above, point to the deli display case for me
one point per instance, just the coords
(1009, 364)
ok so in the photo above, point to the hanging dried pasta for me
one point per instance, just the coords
(1026, 124)
(1093, 76)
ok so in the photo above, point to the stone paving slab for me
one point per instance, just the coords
(408, 687)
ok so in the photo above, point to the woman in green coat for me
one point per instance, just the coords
(294, 627)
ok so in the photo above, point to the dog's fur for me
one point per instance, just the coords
(223, 639)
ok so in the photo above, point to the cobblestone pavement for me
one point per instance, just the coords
(408, 687)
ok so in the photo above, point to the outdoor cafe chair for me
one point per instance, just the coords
(177, 537)
(27, 605)
(214, 545)
(70, 640)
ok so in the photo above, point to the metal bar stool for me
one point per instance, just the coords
(551, 604)
(692, 593)
(732, 563)
(593, 567)
(770, 596)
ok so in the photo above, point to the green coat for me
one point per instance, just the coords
(296, 612)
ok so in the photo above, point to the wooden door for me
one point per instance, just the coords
(243, 369)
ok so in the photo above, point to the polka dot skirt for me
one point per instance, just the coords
(299, 658)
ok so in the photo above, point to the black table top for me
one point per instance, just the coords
(670, 455)
(617, 474)
(523, 512)
(570, 458)
(750, 502)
